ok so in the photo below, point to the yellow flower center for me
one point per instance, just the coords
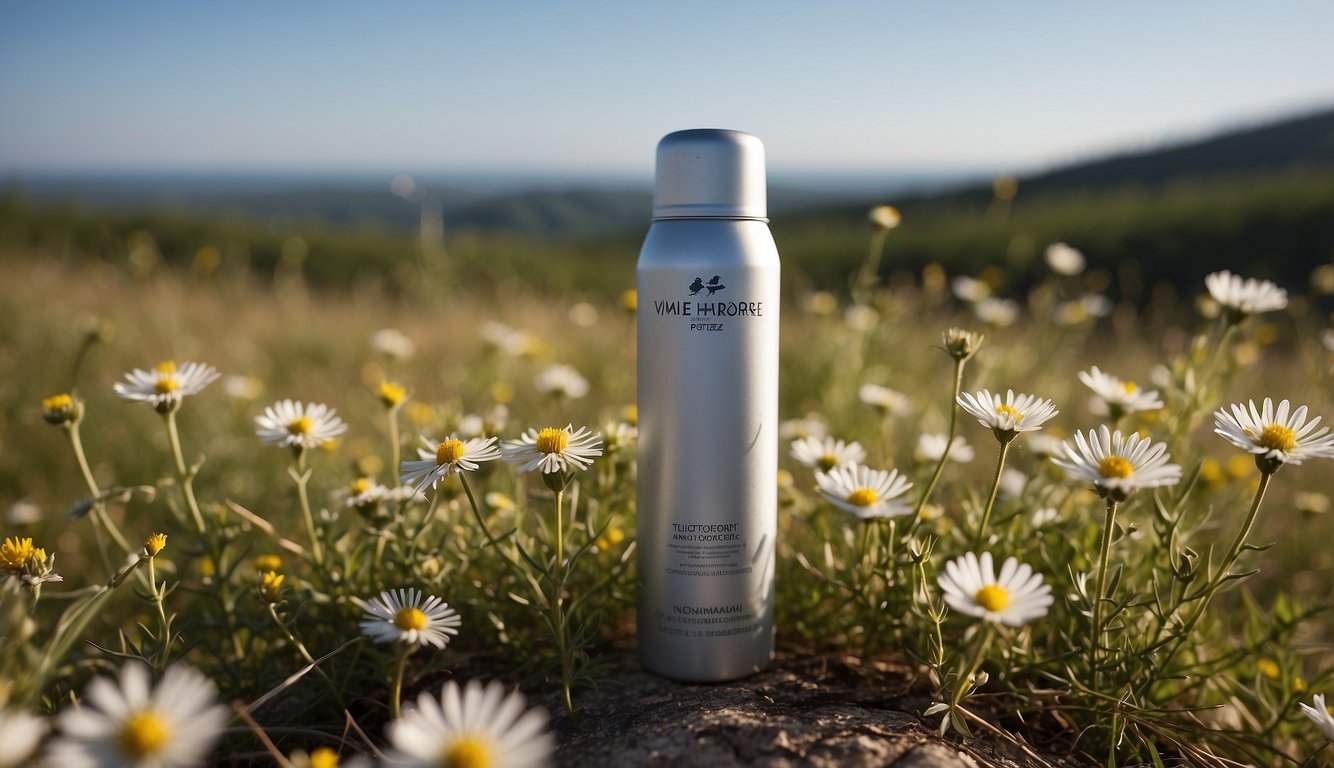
(1130, 387)
(271, 586)
(992, 597)
(15, 552)
(410, 618)
(300, 426)
(827, 462)
(324, 757)
(552, 440)
(166, 367)
(1268, 668)
(57, 403)
(392, 394)
(166, 384)
(154, 544)
(1115, 466)
(468, 752)
(361, 485)
(1277, 437)
(450, 451)
(863, 497)
(1007, 410)
(144, 735)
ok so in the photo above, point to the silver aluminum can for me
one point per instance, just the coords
(708, 286)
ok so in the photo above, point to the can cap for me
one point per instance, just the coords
(710, 173)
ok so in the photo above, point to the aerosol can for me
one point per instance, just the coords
(708, 286)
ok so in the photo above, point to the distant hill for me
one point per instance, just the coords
(1293, 144)
(1303, 142)
(1258, 200)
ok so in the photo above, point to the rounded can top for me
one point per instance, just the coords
(710, 173)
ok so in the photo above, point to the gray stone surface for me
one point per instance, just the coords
(802, 711)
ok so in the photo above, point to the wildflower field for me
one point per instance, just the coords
(249, 520)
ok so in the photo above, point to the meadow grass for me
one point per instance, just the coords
(272, 558)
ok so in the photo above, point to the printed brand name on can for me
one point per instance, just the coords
(704, 309)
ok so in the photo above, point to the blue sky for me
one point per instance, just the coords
(591, 86)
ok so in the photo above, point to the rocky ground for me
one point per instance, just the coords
(801, 711)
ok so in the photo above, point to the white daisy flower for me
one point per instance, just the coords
(969, 289)
(997, 312)
(1320, 715)
(861, 318)
(507, 340)
(1276, 437)
(885, 399)
(472, 726)
(931, 446)
(242, 387)
(809, 426)
(1015, 598)
(1045, 516)
(1044, 445)
(1012, 484)
(131, 724)
(619, 435)
(20, 733)
(825, 453)
(1118, 465)
(479, 424)
(450, 457)
(561, 381)
(822, 303)
(166, 385)
(863, 491)
(1245, 297)
(1063, 259)
(1010, 416)
(884, 216)
(1085, 308)
(400, 616)
(1115, 398)
(962, 344)
(553, 450)
(361, 493)
(298, 425)
(391, 342)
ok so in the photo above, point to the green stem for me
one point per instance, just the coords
(1216, 582)
(394, 448)
(164, 625)
(871, 267)
(1100, 584)
(962, 684)
(481, 523)
(396, 693)
(301, 476)
(560, 532)
(183, 475)
(306, 654)
(949, 444)
(216, 547)
(995, 487)
(100, 517)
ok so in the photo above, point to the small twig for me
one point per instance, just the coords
(353, 725)
(1004, 735)
(267, 527)
(243, 712)
(297, 675)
